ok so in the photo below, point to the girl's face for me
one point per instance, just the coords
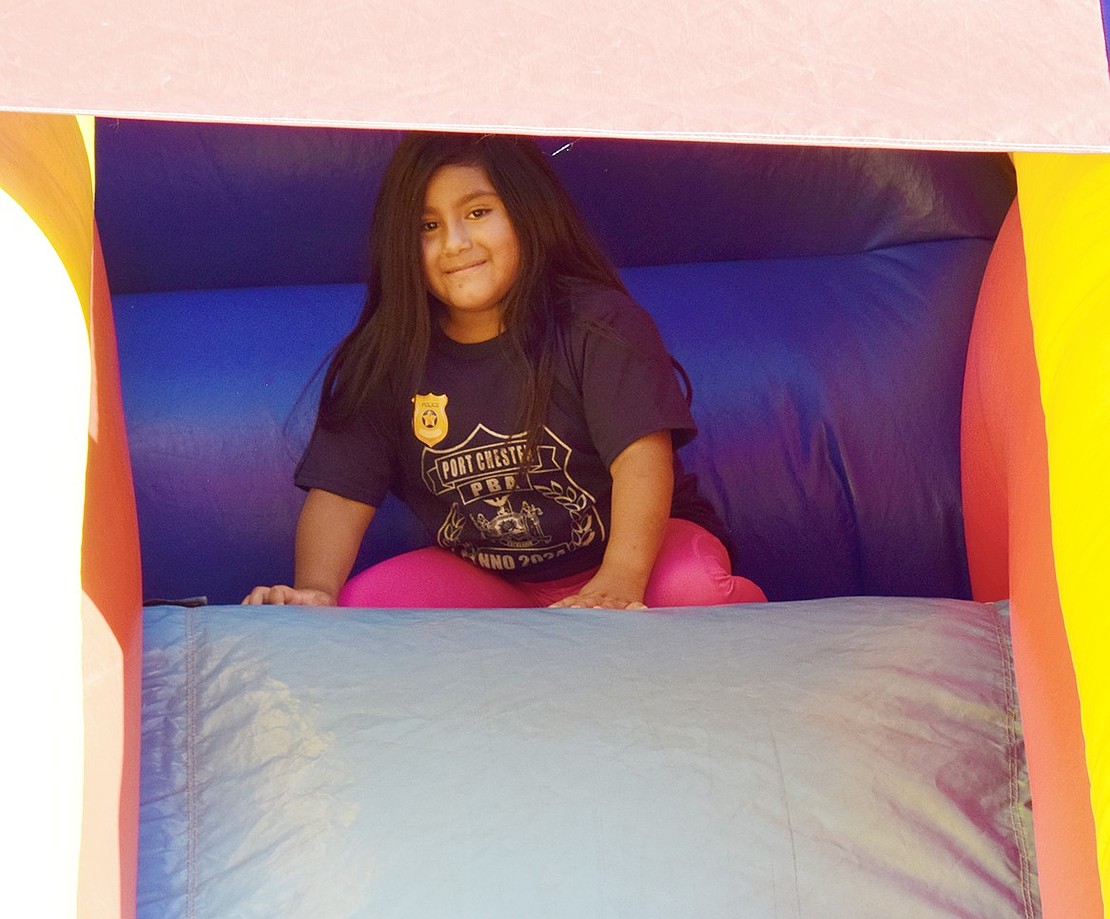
(471, 253)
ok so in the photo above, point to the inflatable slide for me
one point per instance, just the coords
(878, 239)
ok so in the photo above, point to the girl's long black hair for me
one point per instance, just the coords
(387, 349)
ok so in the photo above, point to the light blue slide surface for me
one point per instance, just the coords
(834, 758)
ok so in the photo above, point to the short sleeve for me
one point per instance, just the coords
(629, 385)
(355, 462)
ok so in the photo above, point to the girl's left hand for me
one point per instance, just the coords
(597, 601)
(597, 594)
(643, 478)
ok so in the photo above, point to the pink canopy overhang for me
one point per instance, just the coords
(991, 74)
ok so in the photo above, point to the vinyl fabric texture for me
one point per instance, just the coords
(826, 393)
(834, 758)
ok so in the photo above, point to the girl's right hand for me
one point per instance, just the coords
(329, 532)
(281, 595)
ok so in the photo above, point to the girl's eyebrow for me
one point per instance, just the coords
(466, 199)
(483, 193)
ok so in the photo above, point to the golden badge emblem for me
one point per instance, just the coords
(429, 418)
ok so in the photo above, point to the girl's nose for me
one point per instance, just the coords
(458, 236)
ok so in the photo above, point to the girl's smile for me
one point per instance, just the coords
(470, 251)
(458, 271)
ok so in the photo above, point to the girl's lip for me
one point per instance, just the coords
(465, 267)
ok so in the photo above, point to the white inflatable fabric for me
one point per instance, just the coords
(835, 758)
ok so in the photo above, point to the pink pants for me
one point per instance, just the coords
(692, 569)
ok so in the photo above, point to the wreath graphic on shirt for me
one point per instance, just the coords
(496, 516)
(579, 505)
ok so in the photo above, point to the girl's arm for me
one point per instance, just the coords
(643, 481)
(329, 532)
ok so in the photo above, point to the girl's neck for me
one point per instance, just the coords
(472, 329)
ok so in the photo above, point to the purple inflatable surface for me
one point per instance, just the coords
(820, 300)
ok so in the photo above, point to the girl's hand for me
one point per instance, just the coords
(329, 531)
(609, 588)
(643, 479)
(590, 599)
(281, 595)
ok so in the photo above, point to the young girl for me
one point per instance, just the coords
(502, 382)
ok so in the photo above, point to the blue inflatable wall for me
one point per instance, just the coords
(819, 298)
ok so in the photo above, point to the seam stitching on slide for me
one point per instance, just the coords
(191, 808)
(1013, 761)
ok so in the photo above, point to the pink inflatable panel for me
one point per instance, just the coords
(903, 73)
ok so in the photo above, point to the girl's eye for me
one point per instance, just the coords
(479, 212)
(428, 226)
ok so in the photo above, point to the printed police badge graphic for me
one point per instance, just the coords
(429, 418)
(505, 516)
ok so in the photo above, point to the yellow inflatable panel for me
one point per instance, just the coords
(44, 165)
(1065, 207)
(45, 237)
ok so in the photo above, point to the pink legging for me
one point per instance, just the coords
(692, 569)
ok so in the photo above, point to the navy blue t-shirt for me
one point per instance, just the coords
(452, 450)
